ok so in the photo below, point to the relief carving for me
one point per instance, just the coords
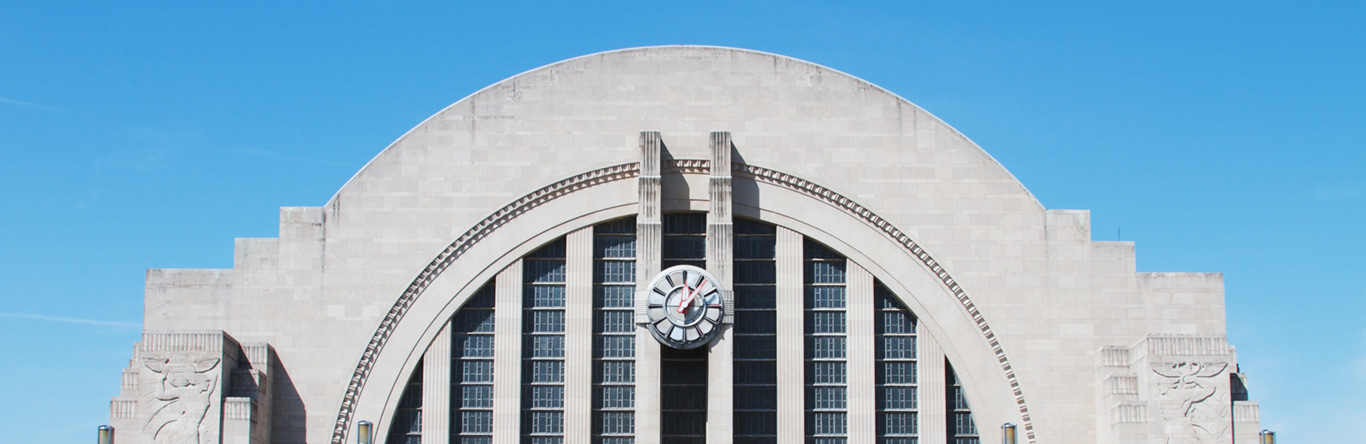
(179, 398)
(1190, 401)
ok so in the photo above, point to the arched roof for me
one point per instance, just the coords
(450, 176)
(780, 110)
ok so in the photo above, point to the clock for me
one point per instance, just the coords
(684, 307)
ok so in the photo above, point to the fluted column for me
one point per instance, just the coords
(578, 337)
(436, 389)
(930, 379)
(862, 365)
(790, 310)
(507, 355)
(720, 253)
(649, 235)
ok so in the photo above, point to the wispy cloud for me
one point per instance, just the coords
(139, 159)
(268, 154)
(14, 102)
(38, 317)
(1339, 192)
(90, 198)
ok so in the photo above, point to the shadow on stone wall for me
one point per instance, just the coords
(745, 190)
(289, 416)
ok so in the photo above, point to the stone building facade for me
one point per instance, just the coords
(515, 269)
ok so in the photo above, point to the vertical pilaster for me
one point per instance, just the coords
(1247, 422)
(507, 355)
(649, 220)
(649, 238)
(578, 341)
(862, 365)
(720, 253)
(720, 224)
(791, 353)
(930, 380)
(436, 389)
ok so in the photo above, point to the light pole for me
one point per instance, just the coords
(1007, 433)
(363, 432)
(1268, 437)
(106, 434)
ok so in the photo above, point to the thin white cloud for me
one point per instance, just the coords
(90, 199)
(30, 104)
(1339, 192)
(268, 154)
(38, 317)
(139, 159)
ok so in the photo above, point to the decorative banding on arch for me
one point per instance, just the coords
(837, 200)
(615, 173)
(447, 257)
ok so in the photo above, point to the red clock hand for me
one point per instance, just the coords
(683, 304)
(683, 307)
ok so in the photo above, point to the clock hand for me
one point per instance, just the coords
(683, 307)
(683, 304)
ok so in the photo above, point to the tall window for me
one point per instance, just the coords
(897, 397)
(756, 365)
(683, 373)
(827, 417)
(962, 429)
(472, 370)
(543, 346)
(614, 340)
(407, 425)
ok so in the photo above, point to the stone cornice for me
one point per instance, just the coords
(615, 173)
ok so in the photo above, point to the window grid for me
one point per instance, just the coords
(827, 416)
(543, 306)
(755, 361)
(683, 373)
(614, 348)
(897, 391)
(962, 428)
(407, 425)
(472, 339)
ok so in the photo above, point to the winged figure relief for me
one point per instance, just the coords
(1185, 401)
(180, 399)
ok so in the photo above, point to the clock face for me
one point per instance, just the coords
(684, 307)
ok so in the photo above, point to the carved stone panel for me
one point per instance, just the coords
(1192, 400)
(182, 378)
(181, 392)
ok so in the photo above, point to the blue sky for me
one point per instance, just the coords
(1219, 136)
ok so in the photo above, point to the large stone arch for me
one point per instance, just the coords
(906, 268)
(1021, 298)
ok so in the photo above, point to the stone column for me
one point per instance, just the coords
(261, 357)
(649, 235)
(720, 244)
(436, 389)
(790, 311)
(930, 380)
(246, 410)
(1247, 422)
(862, 375)
(507, 355)
(578, 337)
